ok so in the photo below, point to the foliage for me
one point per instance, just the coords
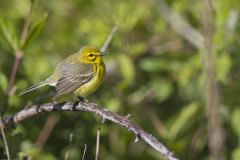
(153, 73)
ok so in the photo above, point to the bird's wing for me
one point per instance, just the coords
(74, 76)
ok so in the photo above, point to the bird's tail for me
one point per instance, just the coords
(36, 86)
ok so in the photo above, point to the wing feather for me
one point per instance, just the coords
(74, 76)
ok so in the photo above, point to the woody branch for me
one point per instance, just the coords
(95, 109)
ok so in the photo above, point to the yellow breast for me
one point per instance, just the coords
(94, 83)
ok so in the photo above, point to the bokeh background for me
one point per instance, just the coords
(155, 72)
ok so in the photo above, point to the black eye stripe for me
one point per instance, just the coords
(94, 58)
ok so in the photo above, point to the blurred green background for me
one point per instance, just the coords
(152, 73)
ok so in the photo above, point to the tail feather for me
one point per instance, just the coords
(36, 86)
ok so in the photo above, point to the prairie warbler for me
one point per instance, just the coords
(80, 73)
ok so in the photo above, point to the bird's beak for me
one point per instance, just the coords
(103, 53)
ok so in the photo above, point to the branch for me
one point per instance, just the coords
(25, 29)
(4, 140)
(95, 109)
(18, 51)
(109, 39)
(216, 135)
(46, 131)
(180, 25)
(97, 144)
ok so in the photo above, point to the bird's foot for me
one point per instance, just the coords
(81, 99)
(54, 100)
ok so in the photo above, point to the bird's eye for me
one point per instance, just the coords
(90, 55)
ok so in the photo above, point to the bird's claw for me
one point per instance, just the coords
(81, 99)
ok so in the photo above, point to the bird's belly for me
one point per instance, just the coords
(90, 86)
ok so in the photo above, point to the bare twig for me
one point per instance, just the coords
(97, 144)
(4, 140)
(46, 131)
(195, 142)
(70, 142)
(109, 39)
(157, 123)
(204, 42)
(84, 152)
(180, 25)
(18, 57)
(95, 109)
(216, 136)
(18, 52)
(26, 25)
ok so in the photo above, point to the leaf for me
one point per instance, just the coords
(127, 69)
(159, 64)
(28, 148)
(121, 15)
(236, 154)
(235, 119)
(162, 88)
(184, 120)
(154, 65)
(223, 66)
(8, 36)
(34, 31)
(138, 48)
(114, 104)
(189, 71)
(3, 82)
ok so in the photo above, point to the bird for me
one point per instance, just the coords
(80, 73)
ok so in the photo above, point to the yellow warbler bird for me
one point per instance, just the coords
(80, 73)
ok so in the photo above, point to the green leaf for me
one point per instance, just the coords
(189, 71)
(235, 119)
(113, 104)
(28, 149)
(223, 66)
(8, 36)
(3, 82)
(138, 48)
(34, 31)
(121, 15)
(162, 88)
(184, 120)
(154, 64)
(236, 154)
(127, 69)
(159, 64)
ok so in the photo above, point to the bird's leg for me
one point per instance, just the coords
(54, 97)
(54, 100)
(80, 99)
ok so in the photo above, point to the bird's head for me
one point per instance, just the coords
(90, 55)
